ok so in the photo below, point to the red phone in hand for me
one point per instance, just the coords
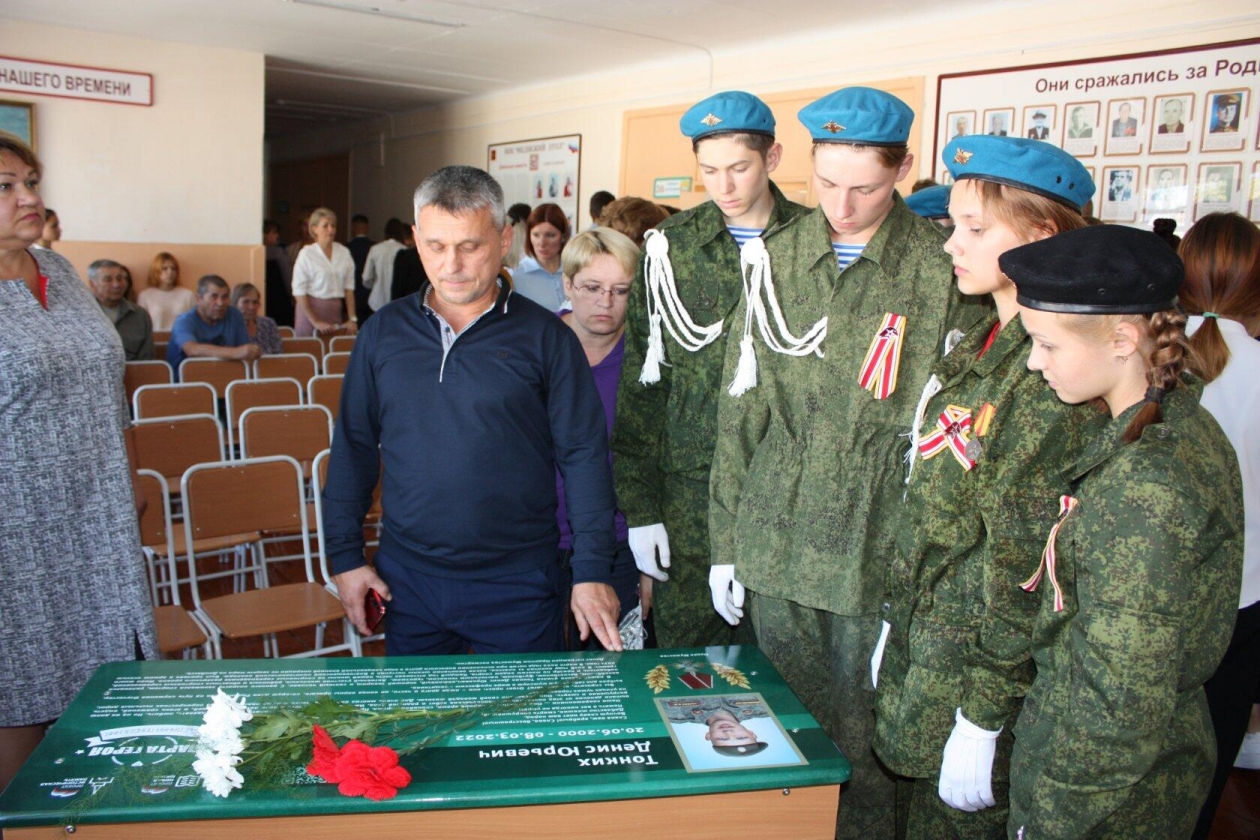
(373, 609)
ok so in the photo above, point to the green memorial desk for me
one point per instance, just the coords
(704, 743)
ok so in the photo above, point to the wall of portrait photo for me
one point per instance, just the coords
(1172, 134)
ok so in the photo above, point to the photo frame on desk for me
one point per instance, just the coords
(18, 119)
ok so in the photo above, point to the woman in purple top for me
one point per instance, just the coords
(598, 268)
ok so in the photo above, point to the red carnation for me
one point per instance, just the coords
(372, 772)
(324, 757)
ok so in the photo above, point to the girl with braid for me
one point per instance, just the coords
(1139, 578)
(983, 483)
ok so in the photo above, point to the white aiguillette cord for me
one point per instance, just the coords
(754, 255)
(659, 286)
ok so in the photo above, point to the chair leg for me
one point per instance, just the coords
(351, 634)
(319, 635)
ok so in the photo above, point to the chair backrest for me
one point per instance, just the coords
(156, 529)
(162, 335)
(235, 497)
(146, 373)
(286, 332)
(159, 350)
(300, 432)
(313, 346)
(325, 390)
(172, 400)
(252, 393)
(170, 445)
(299, 366)
(341, 344)
(336, 362)
(217, 373)
(329, 337)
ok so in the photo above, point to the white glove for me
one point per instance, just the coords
(967, 766)
(878, 656)
(646, 542)
(728, 593)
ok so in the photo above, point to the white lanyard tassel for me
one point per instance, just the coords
(753, 255)
(663, 304)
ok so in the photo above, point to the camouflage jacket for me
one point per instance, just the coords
(1150, 565)
(807, 472)
(668, 427)
(961, 625)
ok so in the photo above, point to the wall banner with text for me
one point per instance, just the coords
(539, 171)
(1171, 134)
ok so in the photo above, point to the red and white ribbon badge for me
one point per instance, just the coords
(883, 360)
(1067, 504)
(951, 433)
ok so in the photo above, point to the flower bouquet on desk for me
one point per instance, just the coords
(237, 746)
(326, 740)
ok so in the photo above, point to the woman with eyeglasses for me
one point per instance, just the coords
(598, 267)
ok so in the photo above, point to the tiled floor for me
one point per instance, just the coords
(1238, 817)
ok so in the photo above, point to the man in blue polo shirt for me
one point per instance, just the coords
(213, 329)
(469, 396)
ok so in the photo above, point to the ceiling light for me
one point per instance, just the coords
(377, 11)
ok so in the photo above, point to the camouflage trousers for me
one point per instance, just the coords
(683, 605)
(931, 819)
(825, 658)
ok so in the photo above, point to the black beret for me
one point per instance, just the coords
(1096, 270)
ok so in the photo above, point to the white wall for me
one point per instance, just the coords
(390, 156)
(189, 169)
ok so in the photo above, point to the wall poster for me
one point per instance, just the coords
(539, 171)
(1171, 134)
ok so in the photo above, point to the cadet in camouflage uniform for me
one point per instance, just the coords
(981, 501)
(666, 423)
(807, 474)
(1145, 562)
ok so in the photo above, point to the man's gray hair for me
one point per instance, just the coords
(462, 189)
(210, 280)
(95, 268)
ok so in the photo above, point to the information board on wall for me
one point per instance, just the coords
(539, 171)
(598, 727)
(1172, 134)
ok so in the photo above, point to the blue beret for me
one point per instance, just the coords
(858, 115)
(731, 110)
(1096, 270)
(930, 203)
(1031, 165)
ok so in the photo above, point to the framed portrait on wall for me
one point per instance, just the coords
(1120, 191)
(1226, 123)
(1080, 128)
(18, 119)
(960, 124)
(1039, 122)
(1167, 193)
(1125, 118)
(1253, 193)
(1172, 123)
(998, 121)
(1218, 188)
